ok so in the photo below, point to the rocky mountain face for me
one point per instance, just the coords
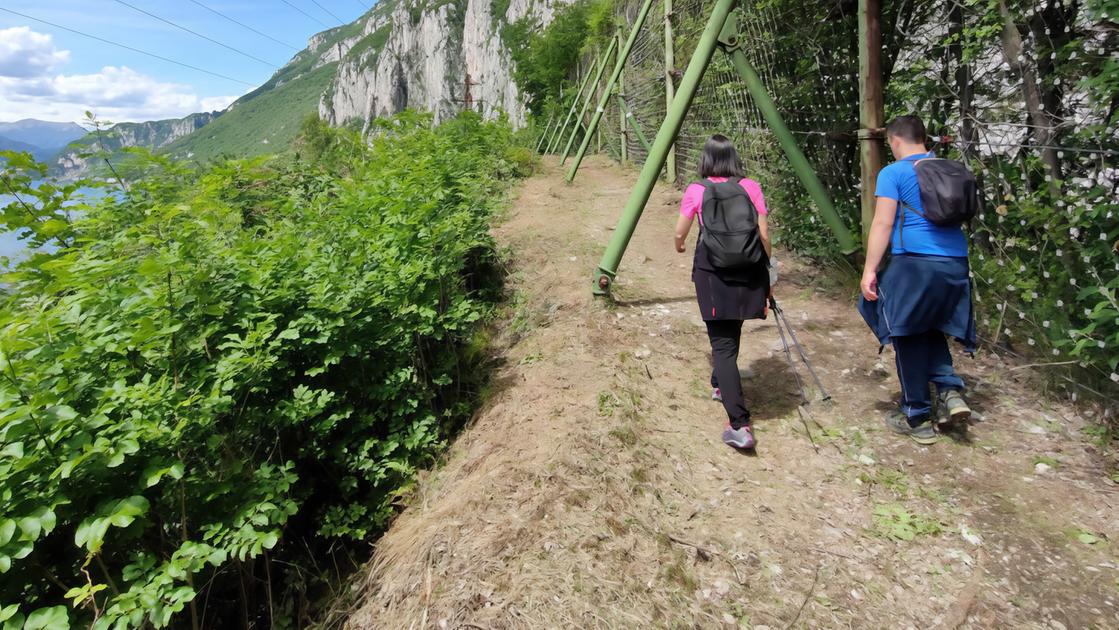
(439, 56)
(159, 133)
(153, 134)
(433, 56)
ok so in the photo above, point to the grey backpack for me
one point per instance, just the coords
(730, 226)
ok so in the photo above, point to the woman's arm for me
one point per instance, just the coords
(683, 226)
(763, 231)
(881, 229)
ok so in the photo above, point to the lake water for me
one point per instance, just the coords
(11, 245)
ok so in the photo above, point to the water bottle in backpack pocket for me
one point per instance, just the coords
(729, 227)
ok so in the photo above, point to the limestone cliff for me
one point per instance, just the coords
(432, 55)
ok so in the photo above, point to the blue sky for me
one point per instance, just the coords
(51, 74)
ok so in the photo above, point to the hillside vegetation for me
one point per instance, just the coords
(225, 375)
(265, 121)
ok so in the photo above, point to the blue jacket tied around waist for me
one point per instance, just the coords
(919, 293)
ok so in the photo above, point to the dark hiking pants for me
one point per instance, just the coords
(725, 336)
(923, 359)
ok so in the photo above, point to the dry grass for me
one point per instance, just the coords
(591, 490)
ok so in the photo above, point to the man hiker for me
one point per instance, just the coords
(916, 289)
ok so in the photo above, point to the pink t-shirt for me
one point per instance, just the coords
(692, 202)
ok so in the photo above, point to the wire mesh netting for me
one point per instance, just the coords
(723, 105)
(1021, 95)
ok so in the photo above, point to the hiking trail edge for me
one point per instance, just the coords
(591, 490)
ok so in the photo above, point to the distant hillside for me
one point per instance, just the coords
(267, 119)
(42, 134)
(154, 134)
(41, 154)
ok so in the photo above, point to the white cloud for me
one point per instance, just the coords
(27, 54)
(117, 94)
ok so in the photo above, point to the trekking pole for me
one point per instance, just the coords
(800, 349)
(789, 355)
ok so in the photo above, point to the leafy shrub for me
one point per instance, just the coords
(233, 366)
(545, 57)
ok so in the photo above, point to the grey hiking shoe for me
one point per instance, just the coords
(952, 411)
(739, 438)
(921, 434)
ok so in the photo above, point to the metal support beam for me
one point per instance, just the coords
(634, 124)
(558, 134)
(622, 115)
(669, 86)
(547, 131)
(608, 267)
(587, 100)
(732, 44)
(871, 108)
(619, 65)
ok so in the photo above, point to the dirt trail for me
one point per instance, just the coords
(592, 489)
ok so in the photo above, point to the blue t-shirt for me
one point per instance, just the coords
(898, 181)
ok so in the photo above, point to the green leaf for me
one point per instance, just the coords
(8, 612)
(91, 534)
(152, 476)
(149, 267)
(54, 618)
(1087, 539)
(13, 450)
(289, 333)
(53, 227)
(128, 509)
(270, 539)
(7, 531)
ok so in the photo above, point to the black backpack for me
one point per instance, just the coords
(729, 229)
(948, 192)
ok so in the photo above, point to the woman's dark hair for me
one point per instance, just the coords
(719, 159)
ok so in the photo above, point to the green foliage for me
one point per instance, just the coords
(231, 368)
(544, 58)
(892, 520)
(262, 122)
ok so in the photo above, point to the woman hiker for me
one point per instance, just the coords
(727, 293)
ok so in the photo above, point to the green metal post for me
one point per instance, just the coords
(636, 126)
(622, 116)
(587, 101)
(544, 136)
(732, 45)
(558, 133)
(681, 102)
(619, 65)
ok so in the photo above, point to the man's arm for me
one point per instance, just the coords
(881, 229)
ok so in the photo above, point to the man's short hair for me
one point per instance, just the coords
(908, 128)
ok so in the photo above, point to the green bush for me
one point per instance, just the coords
(224, 372)
(544, 58)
